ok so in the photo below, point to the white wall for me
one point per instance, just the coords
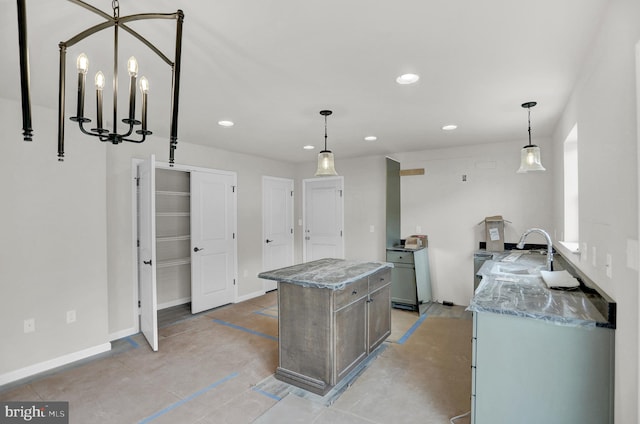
(122, 269)
(448, 209)
(603, 104)
(364, 206)
(53, 248)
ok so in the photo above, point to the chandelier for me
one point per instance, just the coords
(130, 133)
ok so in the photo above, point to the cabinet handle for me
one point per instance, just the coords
(354, 292)
(197, 249)
(147, 262)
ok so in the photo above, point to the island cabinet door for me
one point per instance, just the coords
(379, 318)
(350, 337)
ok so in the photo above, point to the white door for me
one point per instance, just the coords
(277, 226)
(213, 243)
(147, 251)
(323, 218)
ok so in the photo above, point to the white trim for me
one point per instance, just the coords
(52, 363)
(134, 244)
(124, 333)
(638, 235)
(250, 296)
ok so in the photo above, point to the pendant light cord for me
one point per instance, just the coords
(325, 132)
(529, 109)
(529, 105)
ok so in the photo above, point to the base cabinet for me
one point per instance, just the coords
(324, 334)
(530, 371)
(411, 278)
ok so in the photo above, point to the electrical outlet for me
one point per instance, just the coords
(29, 325)
(609, 266)
(372, 229)
(583, 252)
(71, 316)
(593, 255)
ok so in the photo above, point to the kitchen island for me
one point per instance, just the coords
(332, 314)
(540, 354)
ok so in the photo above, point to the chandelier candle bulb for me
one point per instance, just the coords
(132, 65)
(144, 89)
(83, 66)
(99, 87)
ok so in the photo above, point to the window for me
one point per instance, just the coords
(571, 210)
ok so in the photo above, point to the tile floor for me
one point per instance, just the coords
(209, 367)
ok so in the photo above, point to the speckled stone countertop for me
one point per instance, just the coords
(328, 273)
(518, 289)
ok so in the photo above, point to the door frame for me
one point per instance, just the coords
(134, 227)
(266, 178)
(304, 212)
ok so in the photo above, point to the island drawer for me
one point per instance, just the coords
(379, 279)
(400, 257)
(350, 293)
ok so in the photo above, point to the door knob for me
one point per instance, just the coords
(197, 249)
(268, 241)
(147, 262)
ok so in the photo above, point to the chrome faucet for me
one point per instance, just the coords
(520, 244)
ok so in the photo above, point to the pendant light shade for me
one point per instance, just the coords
(530, 154)
(326, 165)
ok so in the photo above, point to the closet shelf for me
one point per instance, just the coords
(173, 214)
(173, 238)
(172, 193)
(173, 262)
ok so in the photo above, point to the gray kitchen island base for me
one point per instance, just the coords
(329, 320)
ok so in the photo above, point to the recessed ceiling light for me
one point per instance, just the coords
(225, 123)
(449, 127)
(371, 138)
(407, 79)
(309, 147)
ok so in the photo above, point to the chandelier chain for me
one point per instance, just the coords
(116, 8)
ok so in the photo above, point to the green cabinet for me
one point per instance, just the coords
(411, 278)
(528, 370)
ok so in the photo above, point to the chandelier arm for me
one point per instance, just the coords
(61, 85)
(136, 141)
(110, 21)
(142, 16)
(81, 125)
(25, 83)
(175, 87)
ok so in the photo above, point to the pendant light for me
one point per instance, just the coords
(325, 157)
(530, 154)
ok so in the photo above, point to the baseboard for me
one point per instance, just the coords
(250, 296)
(123, 333)
(52, 363)
(173, 303)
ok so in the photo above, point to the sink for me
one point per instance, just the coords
(502, 268)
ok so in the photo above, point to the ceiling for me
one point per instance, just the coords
(271, 66)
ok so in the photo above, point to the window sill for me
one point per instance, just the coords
(571, 246)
